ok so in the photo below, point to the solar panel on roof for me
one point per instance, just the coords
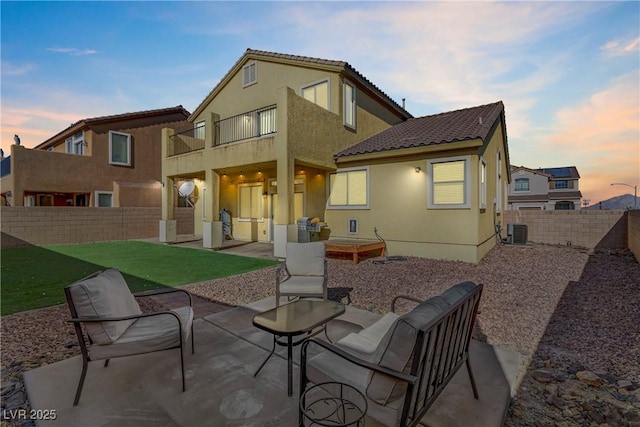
(564, 172)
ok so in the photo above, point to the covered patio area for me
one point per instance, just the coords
(222, 391)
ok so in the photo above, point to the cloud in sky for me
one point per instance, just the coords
(603, 130)
(621, 47)
(72, 51)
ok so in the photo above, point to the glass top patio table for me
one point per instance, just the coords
(296, 318)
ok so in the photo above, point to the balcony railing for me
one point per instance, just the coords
(187, 141)
(251, 124)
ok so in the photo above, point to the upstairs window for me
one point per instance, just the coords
(318, 93)
(75, 144)
(562, 184)
(250, 74)
(449, 183)
(198, 130)
(522, 184)
(119, 148)
(349, 189)
(349, 105)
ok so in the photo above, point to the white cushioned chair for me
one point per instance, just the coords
(115, 325)
(304, 272)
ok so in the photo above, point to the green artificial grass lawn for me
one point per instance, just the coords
(34, 277)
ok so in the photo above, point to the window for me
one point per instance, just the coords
(250, 74)
(104, 199)
(250, 202)
(199, 130)
(318, 93)
(483, 185)
(119, 148)
(562, 184)
(564, 206)
(75, 144)
(449, 183)
(522, 184)
(349, 105)
(267, 121)
(499, 182)
(349, 189)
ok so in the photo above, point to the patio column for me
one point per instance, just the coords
(167, 232)
(211, 225)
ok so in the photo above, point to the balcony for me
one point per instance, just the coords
(187, 141)
(251, 124)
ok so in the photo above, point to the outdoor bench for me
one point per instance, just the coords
(401, 363)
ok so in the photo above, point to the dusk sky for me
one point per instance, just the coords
(567, 72)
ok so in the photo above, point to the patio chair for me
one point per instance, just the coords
(115, 325)
(304, 273)
(400, 364)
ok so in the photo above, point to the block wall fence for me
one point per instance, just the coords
(62, 225)
(585, 228)
(634, 233)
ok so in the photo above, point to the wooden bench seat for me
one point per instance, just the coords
(354, 247)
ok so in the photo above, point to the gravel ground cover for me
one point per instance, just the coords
(564, 309)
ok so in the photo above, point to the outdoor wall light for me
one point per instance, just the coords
(418, 169)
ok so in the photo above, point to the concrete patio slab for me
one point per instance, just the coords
(221, 389)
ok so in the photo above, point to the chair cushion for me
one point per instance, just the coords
(367, 340)
(302, 285)
(305, 259)
(105, 294)
(148, 334)
(396, 349)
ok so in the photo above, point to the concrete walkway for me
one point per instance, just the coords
(145, 390)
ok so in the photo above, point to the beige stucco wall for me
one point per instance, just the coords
(307, 138)
(398, 206)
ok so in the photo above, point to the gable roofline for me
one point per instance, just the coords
(85, 123)
(534, 171)
(304, 61)
(443, 128)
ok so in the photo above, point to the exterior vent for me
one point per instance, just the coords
(517, 234)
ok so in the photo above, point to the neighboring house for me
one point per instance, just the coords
(111, 161)
(544, 189)
(262, 144)
(432, 186)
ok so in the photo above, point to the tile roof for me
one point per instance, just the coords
(306, 59)
(564, 195)
(448, 127)
(118, 117)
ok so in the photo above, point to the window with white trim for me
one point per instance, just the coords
(448, 183)
(522, 184)
(250, 202)
(499, 182)
(349, 189)
(349, 107)
(75, 144)
(119, 148)
(199, 130)
(318, 93)
(104, 199)
(482, 199)
(250, 74)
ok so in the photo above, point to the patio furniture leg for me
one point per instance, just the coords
(193, 349)
(85, 363)
(182, 367)
(273, 349)
(290, 363)
(106, 363)
(473, 382)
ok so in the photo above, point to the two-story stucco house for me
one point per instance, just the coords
(432, 186)
(262, 145)
(544, 188)
(109, 161)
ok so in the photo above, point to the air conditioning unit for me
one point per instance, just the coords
(517, 234)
